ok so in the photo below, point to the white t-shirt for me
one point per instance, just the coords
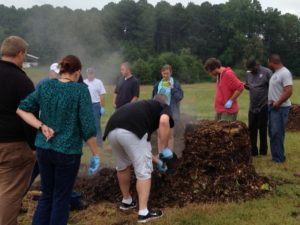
(280, 79)
(96, 89)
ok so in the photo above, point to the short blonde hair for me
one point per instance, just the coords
(13, 45)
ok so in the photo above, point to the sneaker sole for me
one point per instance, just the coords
(128, 208)
(150, 219)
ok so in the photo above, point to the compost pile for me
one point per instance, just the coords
(294, 118)
(215, 166)
(178, 133)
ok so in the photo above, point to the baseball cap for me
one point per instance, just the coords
(54, 67)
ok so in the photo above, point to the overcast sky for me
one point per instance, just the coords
(291, 6)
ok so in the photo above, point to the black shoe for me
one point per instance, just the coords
(152, 215)
(80, 206)
(125, 206)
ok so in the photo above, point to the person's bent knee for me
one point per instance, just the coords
(143, 176)
(123, 168)
(143, 169)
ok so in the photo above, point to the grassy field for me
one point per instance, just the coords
(282, 207)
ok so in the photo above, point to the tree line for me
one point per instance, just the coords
(149, 36)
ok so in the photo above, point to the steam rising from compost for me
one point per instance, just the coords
(89, 44)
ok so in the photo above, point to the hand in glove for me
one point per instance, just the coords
(102, 111)
(94, 164)
(228, 104)
(161, 167)
(166, 153)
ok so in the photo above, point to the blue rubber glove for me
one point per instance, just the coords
(161, 167)
(166, 153)
(102, 111)
(94, 165)
(228, 104)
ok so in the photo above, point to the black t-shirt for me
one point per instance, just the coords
(14, 87)
(139, 118)
(126, 89)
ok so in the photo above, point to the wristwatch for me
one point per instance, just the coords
(40, 127)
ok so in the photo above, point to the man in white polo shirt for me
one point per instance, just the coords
(97, 92)
(280, 90)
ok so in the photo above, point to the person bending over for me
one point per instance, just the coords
(129, 131)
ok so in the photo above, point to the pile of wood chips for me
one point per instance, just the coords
(215, 166)
(294, 118)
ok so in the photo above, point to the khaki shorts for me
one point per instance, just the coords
(129, 150)
(226, 116)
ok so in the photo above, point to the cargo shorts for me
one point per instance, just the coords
(129, 150)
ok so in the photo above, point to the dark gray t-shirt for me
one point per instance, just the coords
(126, 89)
(258, 87)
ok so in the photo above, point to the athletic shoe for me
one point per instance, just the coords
(152, 215)
(125, 206)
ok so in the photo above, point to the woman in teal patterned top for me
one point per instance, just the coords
(66, 119)
(65, 108)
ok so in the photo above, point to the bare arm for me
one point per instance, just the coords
(163, 134)
(287, 93)
(235, 95)
(135, 91)
(134, 99)
(114, 100)
(30, 119)
(93, 146)
(164, 131)
(102, 100)
(235, 85)
(246, 86)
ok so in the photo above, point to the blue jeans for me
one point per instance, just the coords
(277, 121)
(97, 115)
(75, 196)
(58, 173)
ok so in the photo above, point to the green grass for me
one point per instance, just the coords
(282, 207)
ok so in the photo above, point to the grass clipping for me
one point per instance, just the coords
(215, 166)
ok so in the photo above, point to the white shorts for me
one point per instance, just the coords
(128, 150)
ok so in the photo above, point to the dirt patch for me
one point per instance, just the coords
(295, 214)
(215, 166)
(294, 118)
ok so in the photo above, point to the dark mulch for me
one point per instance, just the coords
(215, 167)
(294, 118)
